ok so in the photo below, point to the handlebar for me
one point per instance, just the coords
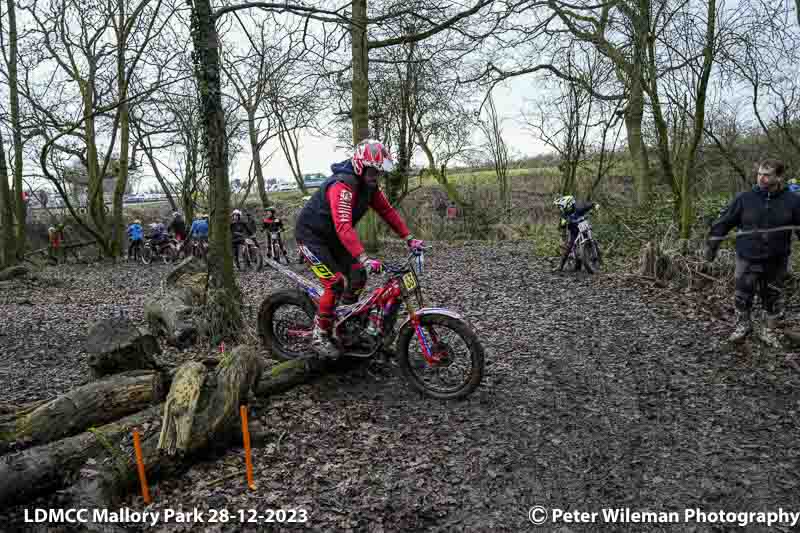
(396, 268)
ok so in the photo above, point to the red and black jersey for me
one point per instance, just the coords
(332, 213)
(272, 224)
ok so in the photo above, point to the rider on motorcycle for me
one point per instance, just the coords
(239, 231)
(270, 224)
(326, 234)
(178, 226)
(158, 233)
(199, 229)
(570, 214)
(135, 235)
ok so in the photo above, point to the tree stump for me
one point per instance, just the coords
(173, 315)
(190, 265)
(196, 284)
(117, 345)
(653, 262)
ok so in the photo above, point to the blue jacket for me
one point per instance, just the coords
(199, 228)
(580, 210)
(794, 188)
(135, 232)
(756, 210)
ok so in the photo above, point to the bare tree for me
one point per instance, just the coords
(254, 77)
(497, 152)
(16, 125)
(90, 107)
(8, 248)
(570, 121)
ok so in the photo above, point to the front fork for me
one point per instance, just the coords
(426, 342)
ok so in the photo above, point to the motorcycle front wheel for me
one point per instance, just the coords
(147, 255)
(258, 259)
(457, 361)
(591, 257)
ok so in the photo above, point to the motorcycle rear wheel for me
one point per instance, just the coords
(286, 337)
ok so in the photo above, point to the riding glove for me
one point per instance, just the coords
(415, 244)
(373, 266)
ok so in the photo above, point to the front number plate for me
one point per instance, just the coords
(409, 281)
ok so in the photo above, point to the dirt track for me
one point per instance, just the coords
(594, 398)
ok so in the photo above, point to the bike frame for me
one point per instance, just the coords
(584, 234)
(387, 298)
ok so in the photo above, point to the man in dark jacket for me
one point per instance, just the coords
(327, 237)
(765, 216)
(272, 224)
(178, 226)
(240, 230)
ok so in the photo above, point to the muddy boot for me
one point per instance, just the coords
(768, 334)
(322, 344)
(743, 327)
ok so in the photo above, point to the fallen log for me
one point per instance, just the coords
(190, 265)
(117, 345)
(172, 315)
(201, 411)
(45, 468)
(91, 405)
(12, 272)
(285, 375)
(99, 465)
(70, 246)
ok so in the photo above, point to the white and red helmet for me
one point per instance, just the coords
(371, 153)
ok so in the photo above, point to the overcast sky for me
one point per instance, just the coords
(319, 152)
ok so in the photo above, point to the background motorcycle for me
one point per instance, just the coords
(277, 250)
(585, 251)
(166, 250)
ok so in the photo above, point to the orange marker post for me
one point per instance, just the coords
(137, 445)
(248, 461)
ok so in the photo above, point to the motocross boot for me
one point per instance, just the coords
(768, 334)
(743, 327)
(322, 344)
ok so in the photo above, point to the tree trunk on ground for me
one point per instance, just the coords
(47, 468)
(103, 459)
(172, 315)
(91, 405)
(14, 272)
(117, 345)
(223, 303)
(175, 312)
(190, 265)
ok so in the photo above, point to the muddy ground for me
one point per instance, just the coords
(598, 393)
